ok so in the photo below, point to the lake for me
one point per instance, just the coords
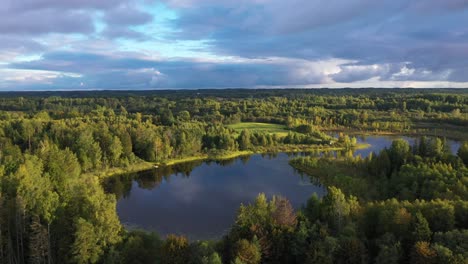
(200, 199)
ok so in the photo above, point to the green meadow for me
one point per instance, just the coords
(280, 130)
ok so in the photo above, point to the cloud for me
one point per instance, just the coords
(122, 71)
(233, 43)
(125, 15)
(46, 21)
(36, 17)
(124, 33)
(12, 47)
(355, 73)
(27, 5)
(373, 32)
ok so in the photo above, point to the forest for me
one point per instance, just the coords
(406, 204)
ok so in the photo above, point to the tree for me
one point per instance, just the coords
(116, 150)
(244, 140)
(436, 147)
(39, 198)
(322, 251)
(140, 248)
(167, 118)
(27, 131)
(381, 165)
(35, 189)
(445, 255)
(398, 153)
(38, 242)
(351, 250)
(390, 250)
(247, 252)
(126, 141)
(312, 209)
(283, 213)
(96, 224)
(183, 116)
(88, 151)
(389, 254)
(212, 259)
(63, 168)
(335, 207)
(463, 152)
(423, 253)
(421, 230)
(175, 250)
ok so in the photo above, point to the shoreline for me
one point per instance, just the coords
(225, 155)
(145, 165)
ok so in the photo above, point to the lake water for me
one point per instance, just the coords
(200, 199)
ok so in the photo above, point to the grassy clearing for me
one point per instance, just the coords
(277, 129)
(182, 160)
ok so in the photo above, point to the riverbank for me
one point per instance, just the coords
(216, 155)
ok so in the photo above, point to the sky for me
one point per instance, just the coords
(190, 44)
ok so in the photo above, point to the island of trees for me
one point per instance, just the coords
(406, 204)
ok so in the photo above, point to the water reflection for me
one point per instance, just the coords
(199, 199)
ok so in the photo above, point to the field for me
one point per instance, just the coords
(279, 130)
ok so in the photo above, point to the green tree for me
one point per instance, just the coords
(85, 249)
(88, 151)
(463, 152)
(36, 189)
(63, 168)
(175, 250)
(38, 242)
(116, 150)
(423, 253)
(167, 118)
(214, 258)
(247, 252)
(390, 250)
(244, 140)
(399, 153)
(336, 207)
(183, 116)
(96, 226)
(421, 230)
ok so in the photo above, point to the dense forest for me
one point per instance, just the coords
(407, 204)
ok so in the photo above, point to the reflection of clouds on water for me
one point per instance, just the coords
(185, 192)
(204, 205)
